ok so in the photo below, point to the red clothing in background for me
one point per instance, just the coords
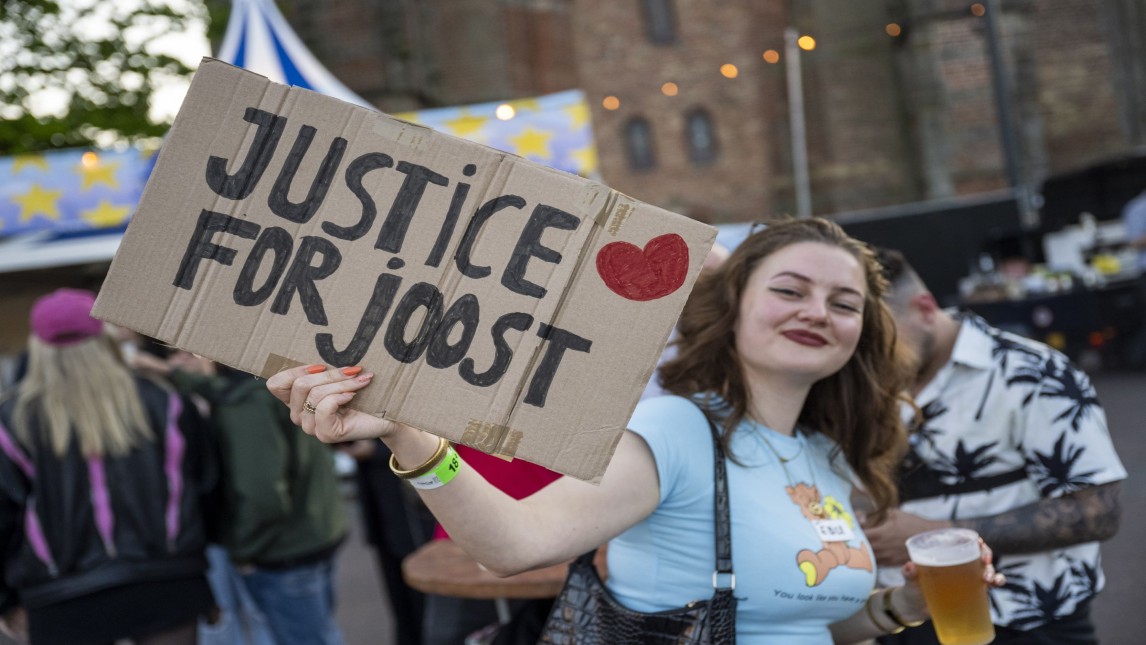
(517, 478)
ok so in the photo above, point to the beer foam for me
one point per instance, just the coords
(943, 547)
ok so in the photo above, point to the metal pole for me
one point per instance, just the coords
(796, 124)
(1002, 88)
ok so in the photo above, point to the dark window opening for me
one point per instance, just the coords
(639, 144)
(701, 135)
(660, 21)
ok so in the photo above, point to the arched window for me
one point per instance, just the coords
(660, 21)
(701, 136)
(639, 144)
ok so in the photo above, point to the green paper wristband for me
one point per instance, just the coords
(441, 475)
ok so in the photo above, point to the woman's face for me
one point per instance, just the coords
(801, 313)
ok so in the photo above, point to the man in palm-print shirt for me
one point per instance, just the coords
(1009, 439)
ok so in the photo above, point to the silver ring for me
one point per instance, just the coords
(307, 406)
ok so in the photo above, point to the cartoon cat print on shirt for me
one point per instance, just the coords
(815, 565)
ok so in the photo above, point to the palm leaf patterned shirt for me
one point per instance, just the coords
(1004, 423)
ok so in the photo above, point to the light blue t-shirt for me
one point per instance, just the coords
(790, 583)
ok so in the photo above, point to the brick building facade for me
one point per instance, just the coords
(899, 95)
(619, 56)
(403, 55)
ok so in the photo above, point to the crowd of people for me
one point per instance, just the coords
(166, 499)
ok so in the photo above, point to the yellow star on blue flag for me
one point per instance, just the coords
(94, 170)
(38, 201)
(106, 215)
(532, 143)
(19, 162)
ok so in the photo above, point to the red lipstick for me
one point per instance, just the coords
(803, 337)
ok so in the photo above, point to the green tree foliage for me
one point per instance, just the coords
(74, 72)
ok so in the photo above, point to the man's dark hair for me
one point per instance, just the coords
(892, 263)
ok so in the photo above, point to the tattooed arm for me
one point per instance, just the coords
(1086, 515)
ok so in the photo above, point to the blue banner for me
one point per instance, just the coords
(71, 190)
(553, 129)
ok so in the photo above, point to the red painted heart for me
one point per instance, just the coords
(644, 274)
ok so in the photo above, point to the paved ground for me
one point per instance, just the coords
(1120, 619)
(363, 612)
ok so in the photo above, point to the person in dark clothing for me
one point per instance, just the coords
(102, 477)
(280, 514)
(396, 524)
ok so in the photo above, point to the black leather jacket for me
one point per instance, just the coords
(71, 526)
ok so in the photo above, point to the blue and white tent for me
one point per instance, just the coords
(259, 39)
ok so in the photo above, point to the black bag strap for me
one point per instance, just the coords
(721, 511)
(720, 514)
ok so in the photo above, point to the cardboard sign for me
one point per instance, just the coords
(501, 304)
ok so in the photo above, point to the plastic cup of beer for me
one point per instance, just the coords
(951, 577)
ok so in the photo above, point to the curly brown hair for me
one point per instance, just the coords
(858, 406)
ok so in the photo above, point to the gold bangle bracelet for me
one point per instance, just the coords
(871, 616)
(894, 615)
(430, 464)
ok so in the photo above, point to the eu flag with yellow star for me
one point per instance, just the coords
(553, 129)
(71, 190)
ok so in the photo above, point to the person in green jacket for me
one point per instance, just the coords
(281, 516)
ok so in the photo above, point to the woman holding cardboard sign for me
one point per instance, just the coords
(786, 361)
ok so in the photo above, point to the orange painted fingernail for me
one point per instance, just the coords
(351, 371)
(315, 369)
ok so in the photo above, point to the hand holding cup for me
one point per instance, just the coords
(953, 575)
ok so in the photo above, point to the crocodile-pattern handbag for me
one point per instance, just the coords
(585, 613)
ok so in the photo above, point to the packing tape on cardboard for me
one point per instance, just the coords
(596, 204)
(621, 210)
(491, 438)
(608, 208)
(405, 134)
(275, 364)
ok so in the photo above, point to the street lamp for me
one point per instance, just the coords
(792, 45)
